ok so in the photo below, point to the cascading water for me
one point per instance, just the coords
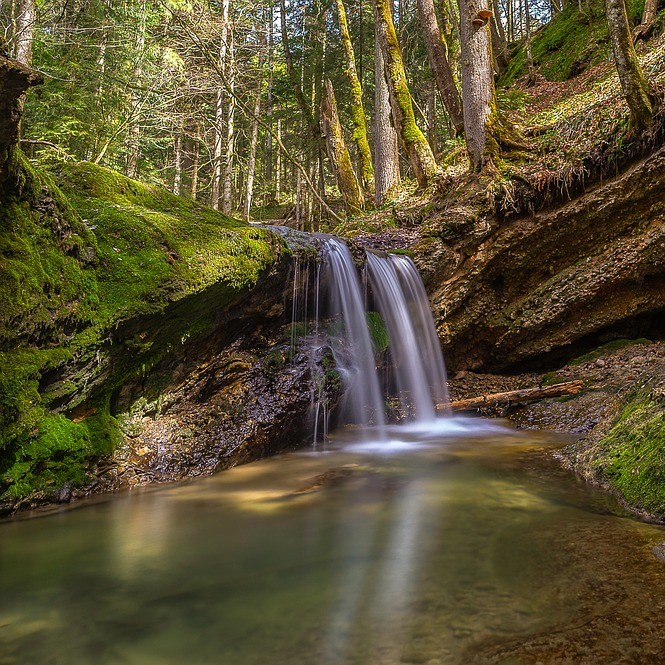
(352, 346)
(405, 308)
(339, 322)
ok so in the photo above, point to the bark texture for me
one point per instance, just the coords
(532, 287)
(339, 154)
(438, 62)
(633, 82)
(416, 145)
(386, 157)
(478, 95)
(357, 110)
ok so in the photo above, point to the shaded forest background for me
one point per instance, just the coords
(221, 101)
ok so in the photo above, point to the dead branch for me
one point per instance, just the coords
(506, 399)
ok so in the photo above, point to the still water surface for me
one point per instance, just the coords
(459, 544)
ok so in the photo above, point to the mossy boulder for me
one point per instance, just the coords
(101, 278)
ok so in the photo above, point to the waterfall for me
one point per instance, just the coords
(350, 338)
(417, 359)
(394, 286)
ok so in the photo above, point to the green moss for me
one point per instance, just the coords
(633, 457)
(77, 262)
(378, 332)
(569, 43)
(551, 379)
(609, 347)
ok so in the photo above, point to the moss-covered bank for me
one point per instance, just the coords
(101, 277)
(632, 453)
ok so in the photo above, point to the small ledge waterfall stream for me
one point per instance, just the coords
(345, 308)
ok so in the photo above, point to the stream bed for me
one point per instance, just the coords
(459, 542)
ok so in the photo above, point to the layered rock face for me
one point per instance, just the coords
(530, 288)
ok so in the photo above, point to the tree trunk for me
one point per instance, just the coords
(15, 79)
(357, 110)
(134, 147)
(195, 163)
(386, 157)
(643, 30)
(635, 87)
(339, 153)
(177, 170)
(278, 165)
(220, 98)
(529, 54)
(26, 17)
(499, 45)
(254, 139)
(227, 196)
(418, 150)
(438, 62)
(484, 127)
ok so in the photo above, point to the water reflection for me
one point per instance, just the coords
(457, 544)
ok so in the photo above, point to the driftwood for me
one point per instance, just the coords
(513, 397)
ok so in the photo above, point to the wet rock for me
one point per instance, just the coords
(659, 551)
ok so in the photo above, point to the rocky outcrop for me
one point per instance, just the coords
(535, 288)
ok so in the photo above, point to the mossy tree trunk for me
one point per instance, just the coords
(357, 110)
(438, 62)
(386, 155)
(634, 84)
(15, 79)
(339, 154)
(416, 145)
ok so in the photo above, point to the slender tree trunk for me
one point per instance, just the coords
(386, 158)
(177, 170)
(339, 154)
(278, 165)
(499, 46)
(438, 62)
(26, 16)
(253, 142)
(195, 163)
(357, 110)
(227, 196)
(134, 151)
(634, 84)
(485, 128)
(529, 55)
(419, 152)
(220, 98)
(272, 196)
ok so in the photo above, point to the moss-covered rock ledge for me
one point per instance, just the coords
(103, 282)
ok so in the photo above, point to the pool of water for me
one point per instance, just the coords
(456, 543)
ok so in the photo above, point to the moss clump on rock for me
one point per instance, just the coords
(633, 452)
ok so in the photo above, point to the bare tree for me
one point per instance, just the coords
(438, 62)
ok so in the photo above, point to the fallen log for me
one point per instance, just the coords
(513, 397)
